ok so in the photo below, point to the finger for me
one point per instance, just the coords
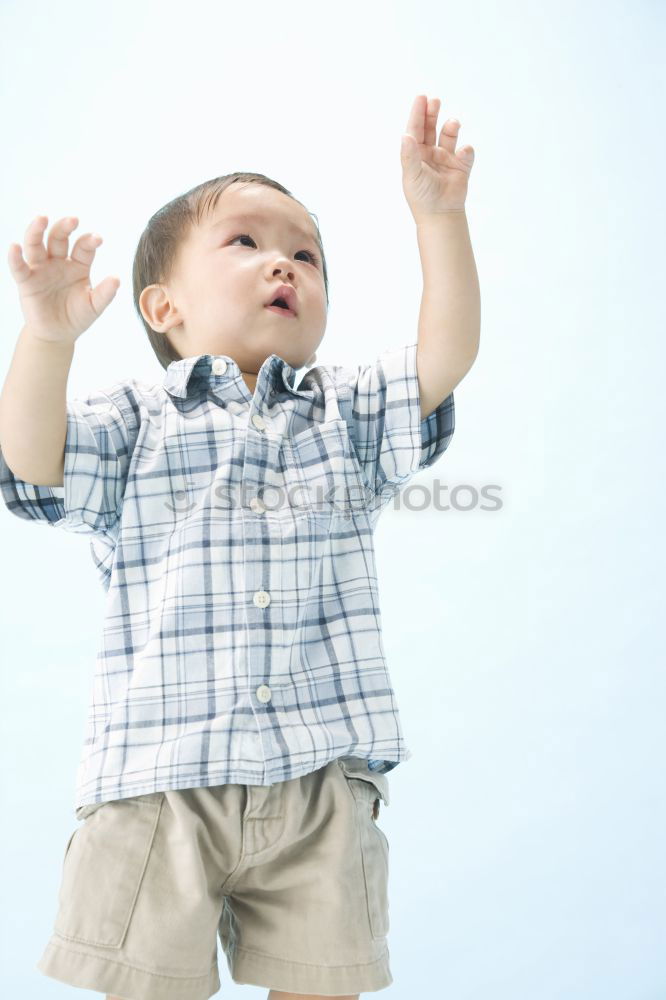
(58, 244)
(33, 246)
(416, 120)
(83, 251)
(102, 294)
(430, 124)
(467, 154)
(449, 135)
(20, 270)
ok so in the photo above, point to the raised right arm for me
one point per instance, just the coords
(58, 304)
(33, 409)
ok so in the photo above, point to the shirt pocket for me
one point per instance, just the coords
(326, 471)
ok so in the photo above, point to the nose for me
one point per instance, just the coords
(280, 270)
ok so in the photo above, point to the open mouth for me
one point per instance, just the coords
(281, 307)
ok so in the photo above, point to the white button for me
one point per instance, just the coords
(257, 506)
(258, 421)
(263, 692)
(219, 366)
(262, 599)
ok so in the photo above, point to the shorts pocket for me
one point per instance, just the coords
(367, 788)
(69, 844)
(357, 767)
(103, 868)
(84, 811)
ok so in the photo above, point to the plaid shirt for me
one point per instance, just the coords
(234, 534)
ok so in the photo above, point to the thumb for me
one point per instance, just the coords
(407, 144)
(102, 294)
(409, 153)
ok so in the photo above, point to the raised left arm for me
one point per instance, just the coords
(450, 316)
(434, 180)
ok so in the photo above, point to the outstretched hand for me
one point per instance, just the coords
(434, 175)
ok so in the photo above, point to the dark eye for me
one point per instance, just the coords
(314, 259)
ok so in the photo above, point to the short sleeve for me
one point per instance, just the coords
(101, 431)
(392, 442)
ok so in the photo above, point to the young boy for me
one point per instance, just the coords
(242, 718)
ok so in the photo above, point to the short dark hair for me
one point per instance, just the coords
(169, 227)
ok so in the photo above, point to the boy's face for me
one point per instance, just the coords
(216, 300)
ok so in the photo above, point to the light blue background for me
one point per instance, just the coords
(525, 644)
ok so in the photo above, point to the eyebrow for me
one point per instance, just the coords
(253, 217)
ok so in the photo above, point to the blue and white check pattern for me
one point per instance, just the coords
(234, 534)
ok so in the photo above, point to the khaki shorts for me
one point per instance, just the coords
(292, 876)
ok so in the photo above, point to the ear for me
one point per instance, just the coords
(312, 359)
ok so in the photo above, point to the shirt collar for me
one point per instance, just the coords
(188, 376)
